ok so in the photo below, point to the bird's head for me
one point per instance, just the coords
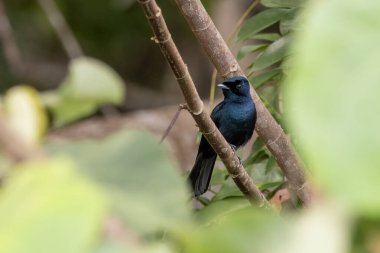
(237, 86)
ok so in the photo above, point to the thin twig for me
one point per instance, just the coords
(61, 28)
(212, 88)
(195, 104)
(11, 51)
(267, 128)
(167, 131)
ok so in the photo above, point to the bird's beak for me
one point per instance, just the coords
(223, 86)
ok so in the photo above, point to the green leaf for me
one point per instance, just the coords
(259, 22)
(259, 153)
(244, 51)
(92, 80)
(145, 188)
(218, 176)
(270, 165)
(228, 190)
(260, 79)
(220, 208)
(88, 84)
(113, 246)
(282, 3)
(266, 186)
(260, 175)
(266, 36)
(66, 110)
(258, 144)
(45, 206)
(240, 229)
(332, 100)
(288, 22)
(274, 53)
(256, 156)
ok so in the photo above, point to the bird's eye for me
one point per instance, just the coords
(238, 86)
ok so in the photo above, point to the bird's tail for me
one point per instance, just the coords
(200, 175)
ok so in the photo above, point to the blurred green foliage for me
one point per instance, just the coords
(123, 193)
(114, 31)
(332, 99)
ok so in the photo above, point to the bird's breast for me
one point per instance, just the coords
(237, 123)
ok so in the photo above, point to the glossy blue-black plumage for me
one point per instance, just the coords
(235, 118)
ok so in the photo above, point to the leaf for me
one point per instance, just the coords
(274, 53)
(309, 232)
(228, 190)
(261, 176)
(262, 78)
(266, 186)
(92, 80)
(288, 22)
(112, 246)
(259, 153)
(270, 165)
(88, 84)
(66, 110)
(220, 208)
(240, 229)
(25, 113)
(218, 176)
(146, 190)
(256, 156)
(266, 36)
(332, 100)
(259, 22)
(45, 206)
(244, 51)
(282, 3)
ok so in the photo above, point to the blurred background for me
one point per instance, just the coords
(40, 38)
(85, 96)
(115, 32)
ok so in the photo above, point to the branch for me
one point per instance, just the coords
(267, 128)
(61, 28)
(229, 40)
(195, 104)
(11, 51)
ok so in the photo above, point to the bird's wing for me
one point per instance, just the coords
(217, 113)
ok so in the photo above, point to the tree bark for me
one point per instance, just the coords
(267, 128)
(195, 104)
(13, 146)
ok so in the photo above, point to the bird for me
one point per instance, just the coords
(235, 117)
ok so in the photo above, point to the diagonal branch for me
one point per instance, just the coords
(195, 104)
(61, 28)
(267, 128)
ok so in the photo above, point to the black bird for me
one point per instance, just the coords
(235, 117)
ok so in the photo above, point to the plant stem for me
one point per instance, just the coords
(195, 104)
